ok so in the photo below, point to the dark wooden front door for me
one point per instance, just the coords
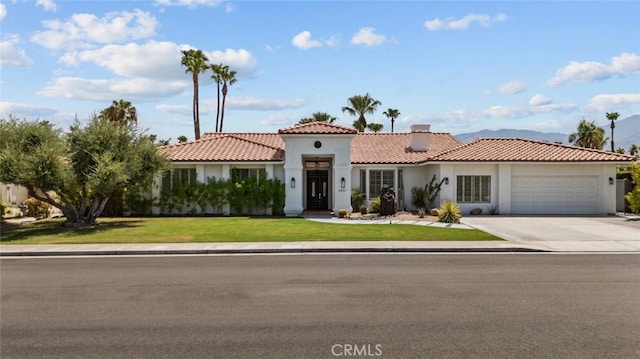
(317, 189)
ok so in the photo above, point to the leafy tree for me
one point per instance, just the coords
(195, 62)
(319, 117)
(612, 116)
(182, 139)
(79, 171)
(588, 135)
(120, 112)
(633, 149)
(392, 114)
(361, 105)
(633, 197)
(228, 78)
(375, 127)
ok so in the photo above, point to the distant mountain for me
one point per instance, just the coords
(626, 133)
(533, 135)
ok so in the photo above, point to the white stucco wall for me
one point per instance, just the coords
(300, 147)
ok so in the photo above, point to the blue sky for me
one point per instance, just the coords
(460, 66)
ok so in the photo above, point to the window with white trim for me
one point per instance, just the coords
(379, 178)
(171, 181)
(473, 189)
(241, 174)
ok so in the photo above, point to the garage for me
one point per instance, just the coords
(554, 194)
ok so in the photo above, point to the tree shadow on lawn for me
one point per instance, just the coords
(14, 232)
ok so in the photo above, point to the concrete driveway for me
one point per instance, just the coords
(560, 233)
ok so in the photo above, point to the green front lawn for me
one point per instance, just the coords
(227, 229)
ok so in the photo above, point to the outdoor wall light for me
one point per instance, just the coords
(611, 181)
(293, 182)
(343, 183)
(446, 181)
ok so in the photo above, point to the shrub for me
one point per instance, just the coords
(37, 208)
(374, 206)
(3, 210)
(417, 197)
(421, 212)
(363, 209)
(342, 213)
(357, 198)
(449, 212)
(493, 210)
(633, 197)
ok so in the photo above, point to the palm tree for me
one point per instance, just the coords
(375, 127)
(361, 105)
(613, 116)
(217, 70)
(588, 135)
(319, 117)
(120, 112)
(392, 114)
(228, 79)
(196, 62)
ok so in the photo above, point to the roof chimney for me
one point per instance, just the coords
(420, 138)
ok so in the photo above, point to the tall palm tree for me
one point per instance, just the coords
(375, 127)
(120, 112)
(613, 116)
(361, 105)
(319, 117)
(228, 79)
(217, 70)
(392, 114)
(588, 135)
(196, 62)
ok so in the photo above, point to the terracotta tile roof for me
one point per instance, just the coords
(317, 128)
(525, 150)
(222, 147)
(394, 148)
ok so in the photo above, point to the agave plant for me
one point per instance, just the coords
(449, 212)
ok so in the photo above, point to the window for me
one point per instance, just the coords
(171, 181)
(379, 178)
(242, 174)
(473, 189)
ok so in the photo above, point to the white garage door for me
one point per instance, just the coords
(554, 194)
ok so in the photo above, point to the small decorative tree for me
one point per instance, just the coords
(431, 191)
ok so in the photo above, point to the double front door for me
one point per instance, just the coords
(318, 189)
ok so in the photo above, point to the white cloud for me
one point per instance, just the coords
(543, 126)
(366, 36)
(261, 104)
(12, 56)
(539, 100)
(589, 71)
(86, 30)
(191, 4)
(175, 109)
(511, 87)
(279, 120)
(106, 90)
(609, 102)
(239, 60)
(462, 24)
(3, 11)
(47, 5)
(303, 41)
(24, 110)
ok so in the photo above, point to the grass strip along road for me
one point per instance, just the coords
(227, 229)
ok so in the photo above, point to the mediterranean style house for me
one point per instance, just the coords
(321, 163)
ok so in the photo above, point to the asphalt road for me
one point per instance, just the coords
(322, 306)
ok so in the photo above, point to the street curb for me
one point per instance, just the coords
(265, 251)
